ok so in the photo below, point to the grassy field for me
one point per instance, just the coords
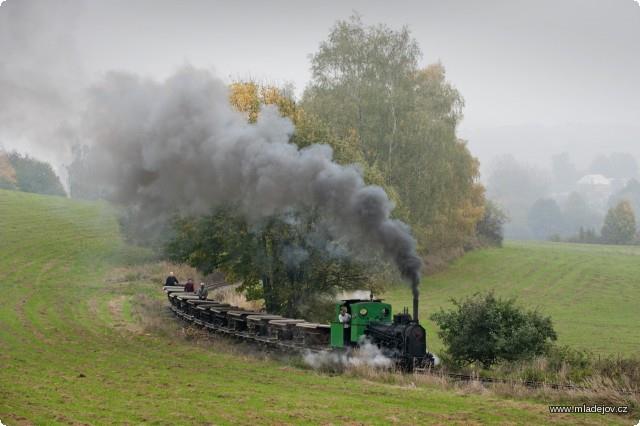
(72, 351)
(591, 292)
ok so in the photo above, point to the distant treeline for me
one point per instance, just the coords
(23, 173)
(620, 227)
(566, 203)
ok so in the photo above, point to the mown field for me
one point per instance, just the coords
(592, 292)
(73, 352)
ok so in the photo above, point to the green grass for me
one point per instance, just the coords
(591, 292)
(65, 357)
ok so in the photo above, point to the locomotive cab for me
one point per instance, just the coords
(363, 313)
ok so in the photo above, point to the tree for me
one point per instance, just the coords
(630, 192)
(490, 228)
(545, 219)
(619, 224)
(579, 215)
(289, 262)
(617, 165)
(366, 82)
(82, 183)
(486, 329)
(35, 176)
(249, 97)
(515, 187)
(7, 173)
(366, 72)
(564, 171)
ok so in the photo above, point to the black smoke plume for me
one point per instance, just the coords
(179, 145)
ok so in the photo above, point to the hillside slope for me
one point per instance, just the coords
(591, 292)
(66, 357)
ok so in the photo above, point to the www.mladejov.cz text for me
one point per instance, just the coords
(586, 408)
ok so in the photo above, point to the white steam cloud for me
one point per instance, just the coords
(366, 355)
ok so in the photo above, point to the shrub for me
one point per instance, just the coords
(486, 329)
(490, 229)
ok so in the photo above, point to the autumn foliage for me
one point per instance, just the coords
(7, 173)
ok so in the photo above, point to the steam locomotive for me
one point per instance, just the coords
(399, 337)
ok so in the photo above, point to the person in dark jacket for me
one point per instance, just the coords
(188, 287)
(171, 280)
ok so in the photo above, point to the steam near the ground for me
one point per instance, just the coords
(366, 355)
(179, 145)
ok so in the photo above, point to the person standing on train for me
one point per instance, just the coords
(203, 293)
(345, 319)
(188, 287)
(171, 280)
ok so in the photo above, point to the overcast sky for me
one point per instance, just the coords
(538, 77)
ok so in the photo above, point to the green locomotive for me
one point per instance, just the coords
(399, 336)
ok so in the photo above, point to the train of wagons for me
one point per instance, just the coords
(399, 337)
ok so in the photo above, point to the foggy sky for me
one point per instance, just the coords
(538, 78)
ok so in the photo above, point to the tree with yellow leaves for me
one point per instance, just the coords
(7, 173)
(248, 97)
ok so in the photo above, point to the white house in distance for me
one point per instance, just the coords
(598, 188)
(595, 181)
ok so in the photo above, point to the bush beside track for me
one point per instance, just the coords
(74, 350)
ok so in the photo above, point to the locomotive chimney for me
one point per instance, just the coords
(416, 297)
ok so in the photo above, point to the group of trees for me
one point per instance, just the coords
(375, 106)
(23, 173)
(546, 218)
(548, 221)
(577, 222)
(558, 203)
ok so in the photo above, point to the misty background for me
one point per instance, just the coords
(552, 100)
